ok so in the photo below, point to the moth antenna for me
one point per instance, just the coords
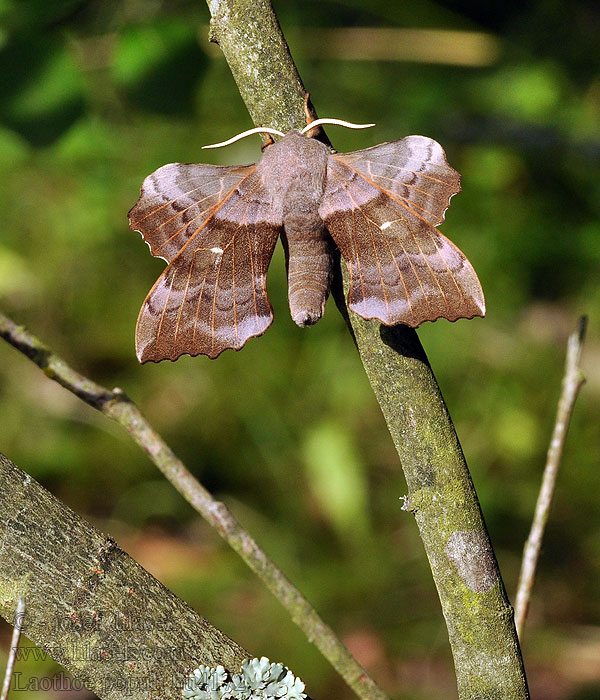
(256, 130)
(340, 122)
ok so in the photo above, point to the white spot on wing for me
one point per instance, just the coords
(218, 257)
(385, 224)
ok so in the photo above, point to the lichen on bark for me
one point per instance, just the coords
(90, 606)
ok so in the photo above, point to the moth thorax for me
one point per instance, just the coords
(309, 272)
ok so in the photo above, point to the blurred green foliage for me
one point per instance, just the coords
(97, 95)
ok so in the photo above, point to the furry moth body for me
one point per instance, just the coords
(217, 227)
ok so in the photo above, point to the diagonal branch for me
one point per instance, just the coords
(90, 606)
(116, 405)
(478, 615)
(572, 382)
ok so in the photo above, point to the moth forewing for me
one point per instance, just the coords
(212, 296)
(381, 206)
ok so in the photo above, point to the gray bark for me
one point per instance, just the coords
(90, 606)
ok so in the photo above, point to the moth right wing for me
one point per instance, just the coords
(216, 228)
(381, 206)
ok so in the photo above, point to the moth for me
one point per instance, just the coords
(217, 226)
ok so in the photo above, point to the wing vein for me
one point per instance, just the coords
(187, 286)
(399, 167)
(162, 316)
(166, 204)
(412, 187)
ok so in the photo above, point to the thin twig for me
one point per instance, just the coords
(14, 645)
(572, 382)
(116, 405)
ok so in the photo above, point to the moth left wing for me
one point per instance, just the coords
(381, 206)
(216, 228)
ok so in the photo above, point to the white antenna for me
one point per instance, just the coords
(339, 122)
(276, 132)
(256, 130)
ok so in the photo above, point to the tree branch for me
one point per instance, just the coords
(478, 615)
(116, 405)
(249, 35)
(572, 382)
(91, 607)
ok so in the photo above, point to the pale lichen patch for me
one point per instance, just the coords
(471, 554)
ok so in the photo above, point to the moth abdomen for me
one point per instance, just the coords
(309, 262)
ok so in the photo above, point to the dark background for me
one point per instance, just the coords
(96, 95)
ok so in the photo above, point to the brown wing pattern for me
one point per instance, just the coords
(215, 227)
(177, 199)
(381, 206)
(414, 170)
